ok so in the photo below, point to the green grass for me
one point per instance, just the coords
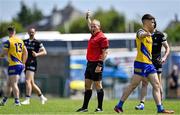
(67, 106)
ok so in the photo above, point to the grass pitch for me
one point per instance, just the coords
(68, 106)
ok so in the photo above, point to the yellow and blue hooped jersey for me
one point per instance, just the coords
(144, 48)
(15, 50)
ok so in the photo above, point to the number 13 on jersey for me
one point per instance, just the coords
(18, 47)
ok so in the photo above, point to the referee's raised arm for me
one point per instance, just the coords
(88, 19)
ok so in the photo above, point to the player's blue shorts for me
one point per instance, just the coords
(15, 70)
(143, 69)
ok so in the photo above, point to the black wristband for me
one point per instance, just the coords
(99, 64)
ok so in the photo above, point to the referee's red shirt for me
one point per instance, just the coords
(96, 43)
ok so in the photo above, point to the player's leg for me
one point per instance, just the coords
(87, 95)
(161, 87)
(14, 84)
(28, 76)
(159, 71)
(36, 89)
(90, 69)
(143, 94)
(97, 78)
(14, 72)
(136, 79)
(30, 85)
(100, 95)
(153, 78)
(7, 93)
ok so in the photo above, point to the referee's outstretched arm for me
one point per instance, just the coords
(88, 19)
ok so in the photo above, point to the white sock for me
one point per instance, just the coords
(28, 98)
(42, 96)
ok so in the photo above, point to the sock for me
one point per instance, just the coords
(120, 104)
(87, 96)
(16, 100)
(42, 96)
(160, 108)
(100, 96)
(141, 102)
(4, 99)
(28, 97)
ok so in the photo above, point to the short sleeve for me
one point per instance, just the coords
(41, 45)
(139, 32)
(6, 44)
(104, 43)
(164, 37)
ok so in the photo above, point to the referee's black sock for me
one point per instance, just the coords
(87, 96)
(100, 96)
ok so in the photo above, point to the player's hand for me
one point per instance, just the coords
(98, 69)
(88, 15)
(163, 60)
(148, 34)
(34, 53)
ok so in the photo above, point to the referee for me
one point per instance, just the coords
(96, 53)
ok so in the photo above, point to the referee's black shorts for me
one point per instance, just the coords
(90, 71)
(31, 65)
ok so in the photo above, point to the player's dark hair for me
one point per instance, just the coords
(147, 17)
(11, 29)
(155, 24)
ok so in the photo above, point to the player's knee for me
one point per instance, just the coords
(156, 86)
(13, 85)
(28, 82)
(98, 86)
(87, 87)
(132, 86)
(144, 84)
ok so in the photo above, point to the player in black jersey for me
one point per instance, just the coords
(35, 49)
(159, 40)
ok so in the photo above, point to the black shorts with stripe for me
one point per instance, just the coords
(158, 66)
(31, 65)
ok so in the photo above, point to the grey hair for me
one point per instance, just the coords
(97, 22)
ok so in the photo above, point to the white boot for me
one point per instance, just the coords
(26, 101)
(43, 99)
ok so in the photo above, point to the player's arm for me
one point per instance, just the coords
(167, 50)
(88, 19)
(42, 51)
(6, 46)
(104, 54)
(142, 34)
(102, 58)
(4, 53)
(24, 55)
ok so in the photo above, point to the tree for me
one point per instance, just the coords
(174, 33)
(36, 13)
(132, 26)
(5, 25)
(24, 16)
(79, 26)
(27, 16)
(111, 21)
